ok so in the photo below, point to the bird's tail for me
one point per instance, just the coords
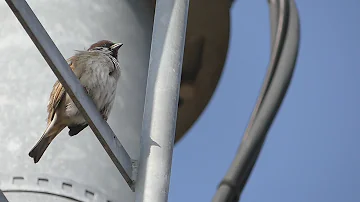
(50, 133)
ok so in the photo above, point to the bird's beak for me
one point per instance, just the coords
(116, 46)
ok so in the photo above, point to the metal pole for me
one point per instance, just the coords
(161, 100)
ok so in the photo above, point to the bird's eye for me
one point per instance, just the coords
(108, 45)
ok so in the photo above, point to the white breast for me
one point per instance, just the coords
(98, 74)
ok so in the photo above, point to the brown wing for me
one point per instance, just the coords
(57, 95)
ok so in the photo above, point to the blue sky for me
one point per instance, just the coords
(312, 150)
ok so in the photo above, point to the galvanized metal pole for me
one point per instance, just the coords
(161, 100)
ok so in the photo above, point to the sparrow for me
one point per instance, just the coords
(98, 70)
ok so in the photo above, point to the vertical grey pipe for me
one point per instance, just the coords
(76, 168)
(161, 103)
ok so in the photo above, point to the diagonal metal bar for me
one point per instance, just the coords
(72, 85)
(2, 197)
(285, 44)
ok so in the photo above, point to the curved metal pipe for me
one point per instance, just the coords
(285, 45)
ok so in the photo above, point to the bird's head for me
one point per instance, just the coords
(106, 46)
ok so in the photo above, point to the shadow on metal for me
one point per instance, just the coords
(2, 197)
(285, 37)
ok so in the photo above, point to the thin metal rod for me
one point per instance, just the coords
(73, 87)
(2, 197)
(161, 101)
(285, 46)
(279, 25)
